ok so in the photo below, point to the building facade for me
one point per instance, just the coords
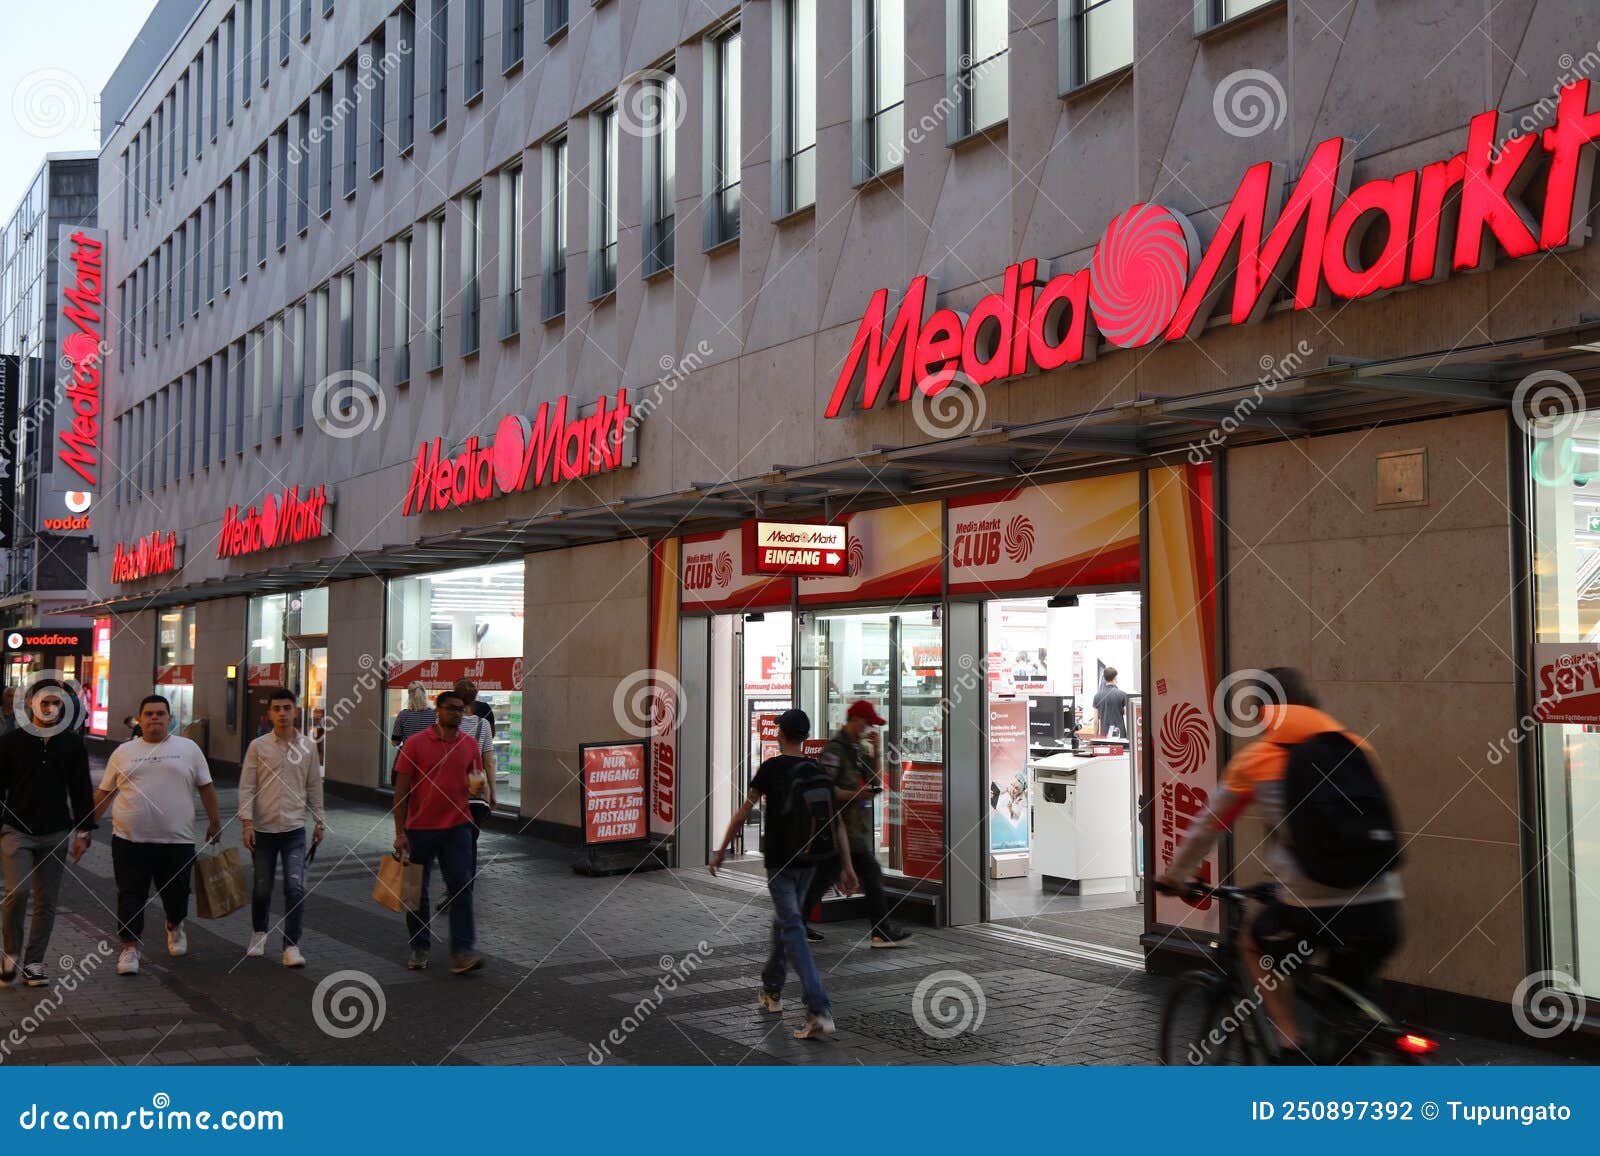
(540, 344)
(45, 521)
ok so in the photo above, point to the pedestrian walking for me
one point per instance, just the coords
(280, 783)
(857, 777)
(149, 786)
(8, 710)
(468, 690)
(479, 725)
(803, 830)
(1111, 707)
(432, 820)
(415, 716)
(46, 814)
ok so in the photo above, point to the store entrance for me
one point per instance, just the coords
(1064, 741)
(752, 681)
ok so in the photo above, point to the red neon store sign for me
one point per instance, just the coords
(1148, 280)
(82, 300)
(155, 553)
(280, 521)
(524, 454)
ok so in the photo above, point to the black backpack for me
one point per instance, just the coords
(1340, 820)
(807, 815)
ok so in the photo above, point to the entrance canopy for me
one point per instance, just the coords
(1348, 392)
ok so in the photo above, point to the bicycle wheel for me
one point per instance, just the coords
(1205, 1022)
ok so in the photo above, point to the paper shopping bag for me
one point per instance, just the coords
(220, 887)
(399, 885)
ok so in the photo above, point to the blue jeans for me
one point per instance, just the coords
(290, 846)
(788, 886)
(452, 846)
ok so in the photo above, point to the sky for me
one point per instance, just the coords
(52, 66)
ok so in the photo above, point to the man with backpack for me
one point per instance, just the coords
(803, 831)
(1331, 844)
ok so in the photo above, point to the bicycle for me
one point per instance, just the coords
(1211, 1016)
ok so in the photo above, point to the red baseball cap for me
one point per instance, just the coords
(863, 708)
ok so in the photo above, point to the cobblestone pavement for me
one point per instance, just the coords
(579, 970)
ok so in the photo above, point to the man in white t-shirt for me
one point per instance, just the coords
(149, 785)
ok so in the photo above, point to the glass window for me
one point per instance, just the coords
(225, 234)
(471, 268)
(347, 126)
(303, 170)
(228, 73)
(723, 218)
(660, 171)
(216, 83)
(511, 48)
(407, 110)
(402, 308)
(555, 17)
(435, 301)
(510, 251)
(1564, 463)
(347, 321)
(439, 64)
(282, 235)
(295, 341)
(894, 658)
(462, 624)
(555, 224)
(243, 179)
(374, 270)
(274, 397)
(377, 70)
(1228, 9)
(1100, 39)
(884, 48)
(174, 673)
(261, 205)
(474, 51)
(795, 49)
(266, 39)
(603, 267)
(982, 66)
(325, 129)
(244, 50)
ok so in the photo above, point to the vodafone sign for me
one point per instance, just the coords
(1149, 281)
(795, 548)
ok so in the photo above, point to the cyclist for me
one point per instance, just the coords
(1295, 772)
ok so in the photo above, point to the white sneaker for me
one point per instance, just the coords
(128, 961)
(258, 944)
(177, 941)
(292, 957)
(817, 1026)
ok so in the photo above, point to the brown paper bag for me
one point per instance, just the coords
(220, 887)
(399, 885)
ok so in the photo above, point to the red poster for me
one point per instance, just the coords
(613, 792)
(264, 674)
(182, 675)
(922, 821)
(441, 673)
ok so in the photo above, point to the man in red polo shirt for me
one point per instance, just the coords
(433, 819)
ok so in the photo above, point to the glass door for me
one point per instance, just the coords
(893, 658)
(308, 678)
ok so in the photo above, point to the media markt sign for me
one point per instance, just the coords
(562, 442)
(281, 520)
(152, 555)
(795, 548)
(1148, 280)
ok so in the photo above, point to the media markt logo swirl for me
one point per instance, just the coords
(1185, 738)
(1019, 538)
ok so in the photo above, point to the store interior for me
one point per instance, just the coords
(1065, 856)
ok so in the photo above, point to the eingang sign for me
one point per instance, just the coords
(1148, 280)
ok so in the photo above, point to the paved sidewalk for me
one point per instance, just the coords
(655, 968)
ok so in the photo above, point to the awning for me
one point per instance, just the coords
(1348, 392)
